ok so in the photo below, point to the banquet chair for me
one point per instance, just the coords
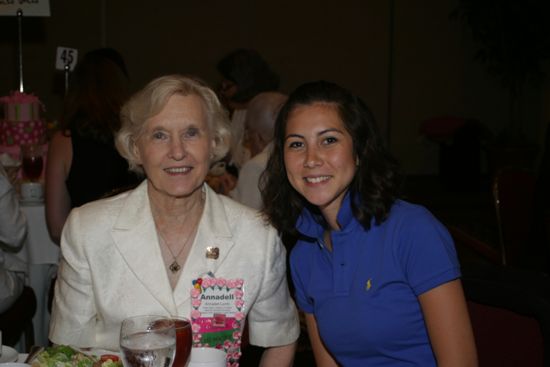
(505, 338)
(510, 315)
(514, 196)
(16, 321)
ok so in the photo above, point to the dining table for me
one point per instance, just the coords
(42, 256)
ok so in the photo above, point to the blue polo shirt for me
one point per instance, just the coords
(364, 294)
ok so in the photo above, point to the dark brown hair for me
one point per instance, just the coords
(375, 185)
(250, 72)
(97, 90)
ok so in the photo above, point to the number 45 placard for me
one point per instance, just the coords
(66, 56)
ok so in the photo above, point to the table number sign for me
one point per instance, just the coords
(66, 57)
(30, 8)
(217, 315)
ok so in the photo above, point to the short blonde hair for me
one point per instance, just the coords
(150, 101)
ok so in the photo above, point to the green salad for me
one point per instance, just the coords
(66, 356)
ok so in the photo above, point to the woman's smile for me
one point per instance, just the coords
(316, 179)
(319, 157)
(175, 147)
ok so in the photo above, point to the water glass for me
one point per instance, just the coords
(148, 341)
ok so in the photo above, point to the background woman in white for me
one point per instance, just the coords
(13, 231)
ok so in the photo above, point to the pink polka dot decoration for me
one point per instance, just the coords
(22, 132)
(22, 123)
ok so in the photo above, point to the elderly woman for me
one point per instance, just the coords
(139, 252)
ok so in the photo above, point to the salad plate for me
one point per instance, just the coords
(8, 354)
(96, 352)
(66, 356)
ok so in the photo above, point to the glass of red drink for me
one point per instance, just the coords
(184, 341)
(31, 155)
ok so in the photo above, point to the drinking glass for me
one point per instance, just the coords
(148, 341)
(183, 341)
(31, 155)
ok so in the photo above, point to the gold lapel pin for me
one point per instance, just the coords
(212, 252)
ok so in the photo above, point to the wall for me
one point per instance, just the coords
(432, 68)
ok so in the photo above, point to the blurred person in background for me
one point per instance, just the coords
(260, 119)
(83, 164)
(13, 231)
(245, 73)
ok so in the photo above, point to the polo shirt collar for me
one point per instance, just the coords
(310, 223)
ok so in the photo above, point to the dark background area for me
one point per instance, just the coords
(409, 60)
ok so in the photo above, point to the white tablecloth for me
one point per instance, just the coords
(42, 255)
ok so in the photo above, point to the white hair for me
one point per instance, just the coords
(262, 111)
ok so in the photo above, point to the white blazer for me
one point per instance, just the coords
(112, 268)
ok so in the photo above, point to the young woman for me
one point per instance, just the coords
(377, 277)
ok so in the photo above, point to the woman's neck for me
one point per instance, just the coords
(330, 211)
(169, 210)
(331, 218)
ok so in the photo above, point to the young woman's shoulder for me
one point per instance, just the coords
(414, 214)
(414, 227)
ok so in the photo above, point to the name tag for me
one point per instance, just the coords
(217, 315)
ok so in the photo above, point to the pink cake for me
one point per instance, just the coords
(21, 123)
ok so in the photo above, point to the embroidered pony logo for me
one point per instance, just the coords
(368, 285)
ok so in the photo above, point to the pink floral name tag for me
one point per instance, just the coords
(217, 315)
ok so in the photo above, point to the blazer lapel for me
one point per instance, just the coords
(213, 231)
(135, 236)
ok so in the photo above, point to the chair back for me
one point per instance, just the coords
(513, 195)
(505, 338)
(16, 321)
(510, 315)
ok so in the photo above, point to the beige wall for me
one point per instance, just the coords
(346, 41)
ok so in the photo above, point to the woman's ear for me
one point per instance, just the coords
(135, 152)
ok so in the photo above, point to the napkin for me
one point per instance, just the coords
(8, 161)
